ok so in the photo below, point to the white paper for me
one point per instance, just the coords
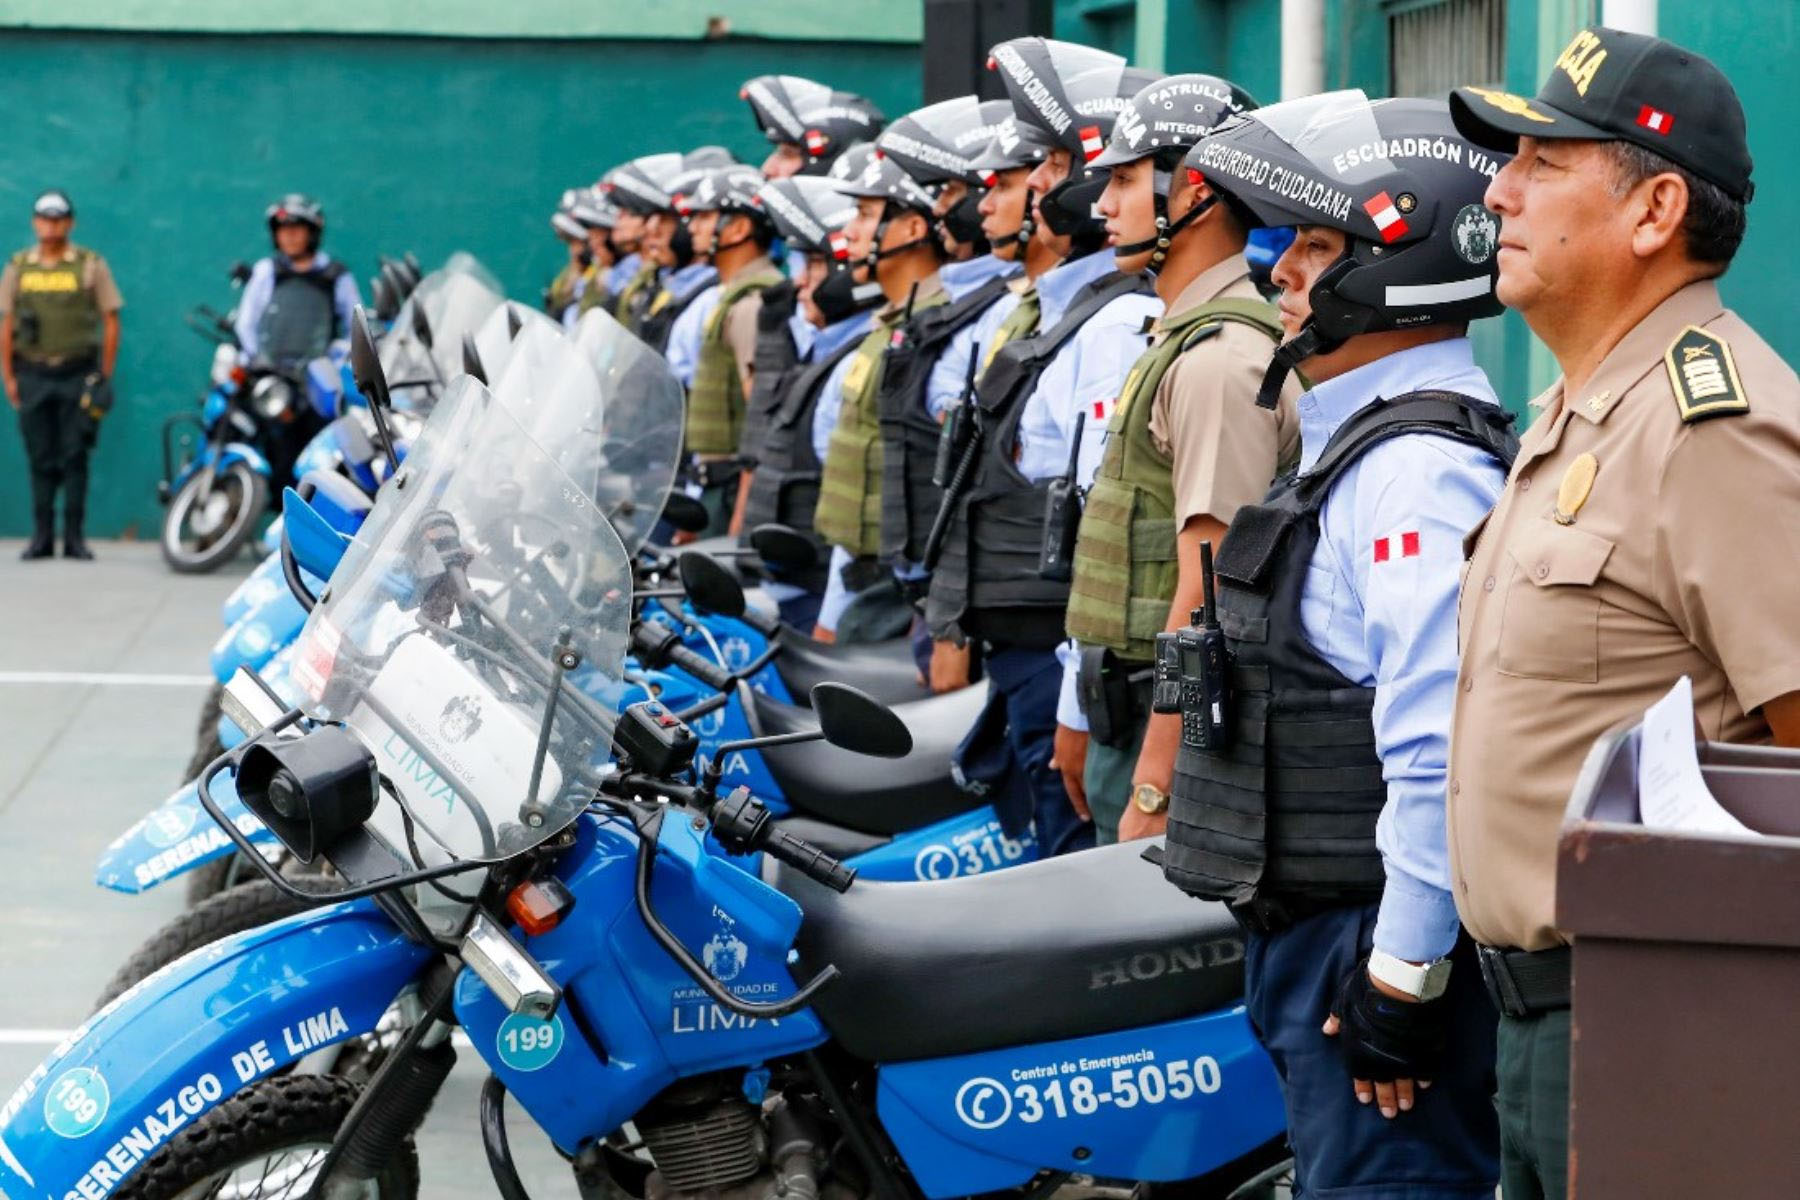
(1672, 794)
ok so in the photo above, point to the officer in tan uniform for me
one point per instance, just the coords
(59, 340)
(1650, 528)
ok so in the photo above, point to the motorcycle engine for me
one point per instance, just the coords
(707, 1141)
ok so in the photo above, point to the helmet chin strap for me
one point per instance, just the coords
(1158, 246)
(1289, 355)
(1020, 236)
(877, 252)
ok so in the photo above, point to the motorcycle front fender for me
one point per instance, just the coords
(255, 637)
(195, 1033)
(176, 837)
(245, 453)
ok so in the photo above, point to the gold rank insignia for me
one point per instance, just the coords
(1573, 491)
(1704, 377)
(1506, 102)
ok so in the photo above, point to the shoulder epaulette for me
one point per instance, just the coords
(1703, 376)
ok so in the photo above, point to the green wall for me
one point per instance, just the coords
(172, 145)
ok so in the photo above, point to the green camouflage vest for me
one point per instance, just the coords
(56, 315)
(849, 512)
(634, 297)
(715, 419)
(1125, 564)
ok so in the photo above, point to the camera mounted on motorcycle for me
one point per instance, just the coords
(310, 791)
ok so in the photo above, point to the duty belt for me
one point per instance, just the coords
(1526, 983)
(712, 473)
(60, 362)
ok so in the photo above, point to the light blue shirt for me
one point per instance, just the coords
(1391, 624)
(944, 385)
(831, 395)
(260, 289)
(1085, 375)
(683, 350)
(620, 273)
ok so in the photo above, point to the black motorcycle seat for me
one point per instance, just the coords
(1082, 944)
(873, 795)
(885, 670)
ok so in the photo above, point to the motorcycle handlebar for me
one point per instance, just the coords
(658, 645)
(809, 860)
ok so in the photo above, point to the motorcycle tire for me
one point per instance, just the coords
(253, 499)
(207, 745)
(235, 910)
(220, 875)
(281, 1127)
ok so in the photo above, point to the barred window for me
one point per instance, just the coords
(1435, 45)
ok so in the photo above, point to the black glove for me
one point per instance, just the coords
(1385, 1039)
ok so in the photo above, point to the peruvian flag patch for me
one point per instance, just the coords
(815, 142)
(1399, 545)
(840, 245)
(1092, 143)
(1100, 409)
(1655, 120)
(1388, 221)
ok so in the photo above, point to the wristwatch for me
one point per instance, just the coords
(1150, 799)
(1426, 982)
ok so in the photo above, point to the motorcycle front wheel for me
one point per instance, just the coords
(211, 516)
(265, 1143)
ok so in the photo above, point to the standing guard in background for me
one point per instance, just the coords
(1650, 530)
(298, 300)
(627, 240)
(641, 190)
(59, 342)
(814, 217)
(893, 245)
(730, 227)
(809, 124)
(1315, 694)
(1187, 445)
(1039, 414)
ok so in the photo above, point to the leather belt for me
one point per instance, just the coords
(1526, 983)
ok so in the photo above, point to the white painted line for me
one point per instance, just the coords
(105, 678)
(54, 1037)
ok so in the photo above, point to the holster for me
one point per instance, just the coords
(96, 396)
(1108, 697)
(861, 574)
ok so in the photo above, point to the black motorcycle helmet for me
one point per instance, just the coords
(297, 208)
(937, 145)
(731, 191)
(812, 215)
(642, 185)
(882, 179)
(1013, 145)
(1393, 175)
(1073, 94)
(1162, 123)
(799, 112)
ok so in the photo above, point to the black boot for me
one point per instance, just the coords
(74, 545)
(41, 544)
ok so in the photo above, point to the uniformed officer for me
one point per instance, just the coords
(597, 215)
(641, 190)
(1309, 786)
(1042, 401)
(1649, 529)
(297, 300)
(59, 341)
(894, 244)
(730, 228)
(814, 217)
(808, 124)
(574, 283)
(1186, 446)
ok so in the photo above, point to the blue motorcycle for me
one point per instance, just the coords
(516, 858)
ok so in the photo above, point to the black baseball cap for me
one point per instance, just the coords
(1609, 85)
(54, 204)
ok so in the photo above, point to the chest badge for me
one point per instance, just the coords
(1573, 491)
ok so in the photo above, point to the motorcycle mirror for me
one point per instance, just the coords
(513, 323)
(685, 513)
(857, 722)
(385, 305)
(421, 325)
(784, 548)
(472, 359)
(239, 273)
(709, 586)
(365, 361)
(310, 791)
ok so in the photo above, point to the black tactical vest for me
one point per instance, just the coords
(1287, 812)
(302, 315)
(909, 435)
(657, 319)
(986, 582)
(775, 358)
(785, 488)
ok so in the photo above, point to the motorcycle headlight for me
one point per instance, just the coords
(225, 360)
(271, 397)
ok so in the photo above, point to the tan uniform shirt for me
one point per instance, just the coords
(1684, 559)
(99, 278)
(740, 323)
(1224, 447)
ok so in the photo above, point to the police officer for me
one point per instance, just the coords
(1042, 401)
(729, 227)
(597, 216)
(809, 124)
(575, 287)
(1186, 447)
(893, 244)
(1648, 529)
(688, 289)
(814, 217)
(627, 239)
(299, 299)
(59, 340)
(1310, 796)
(641, 190)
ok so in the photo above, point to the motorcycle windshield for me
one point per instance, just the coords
(453, 300)
(545, 383)
(484, 579)
(494, 340)
(641, 431)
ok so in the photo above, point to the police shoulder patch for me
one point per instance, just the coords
(1703, 376)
